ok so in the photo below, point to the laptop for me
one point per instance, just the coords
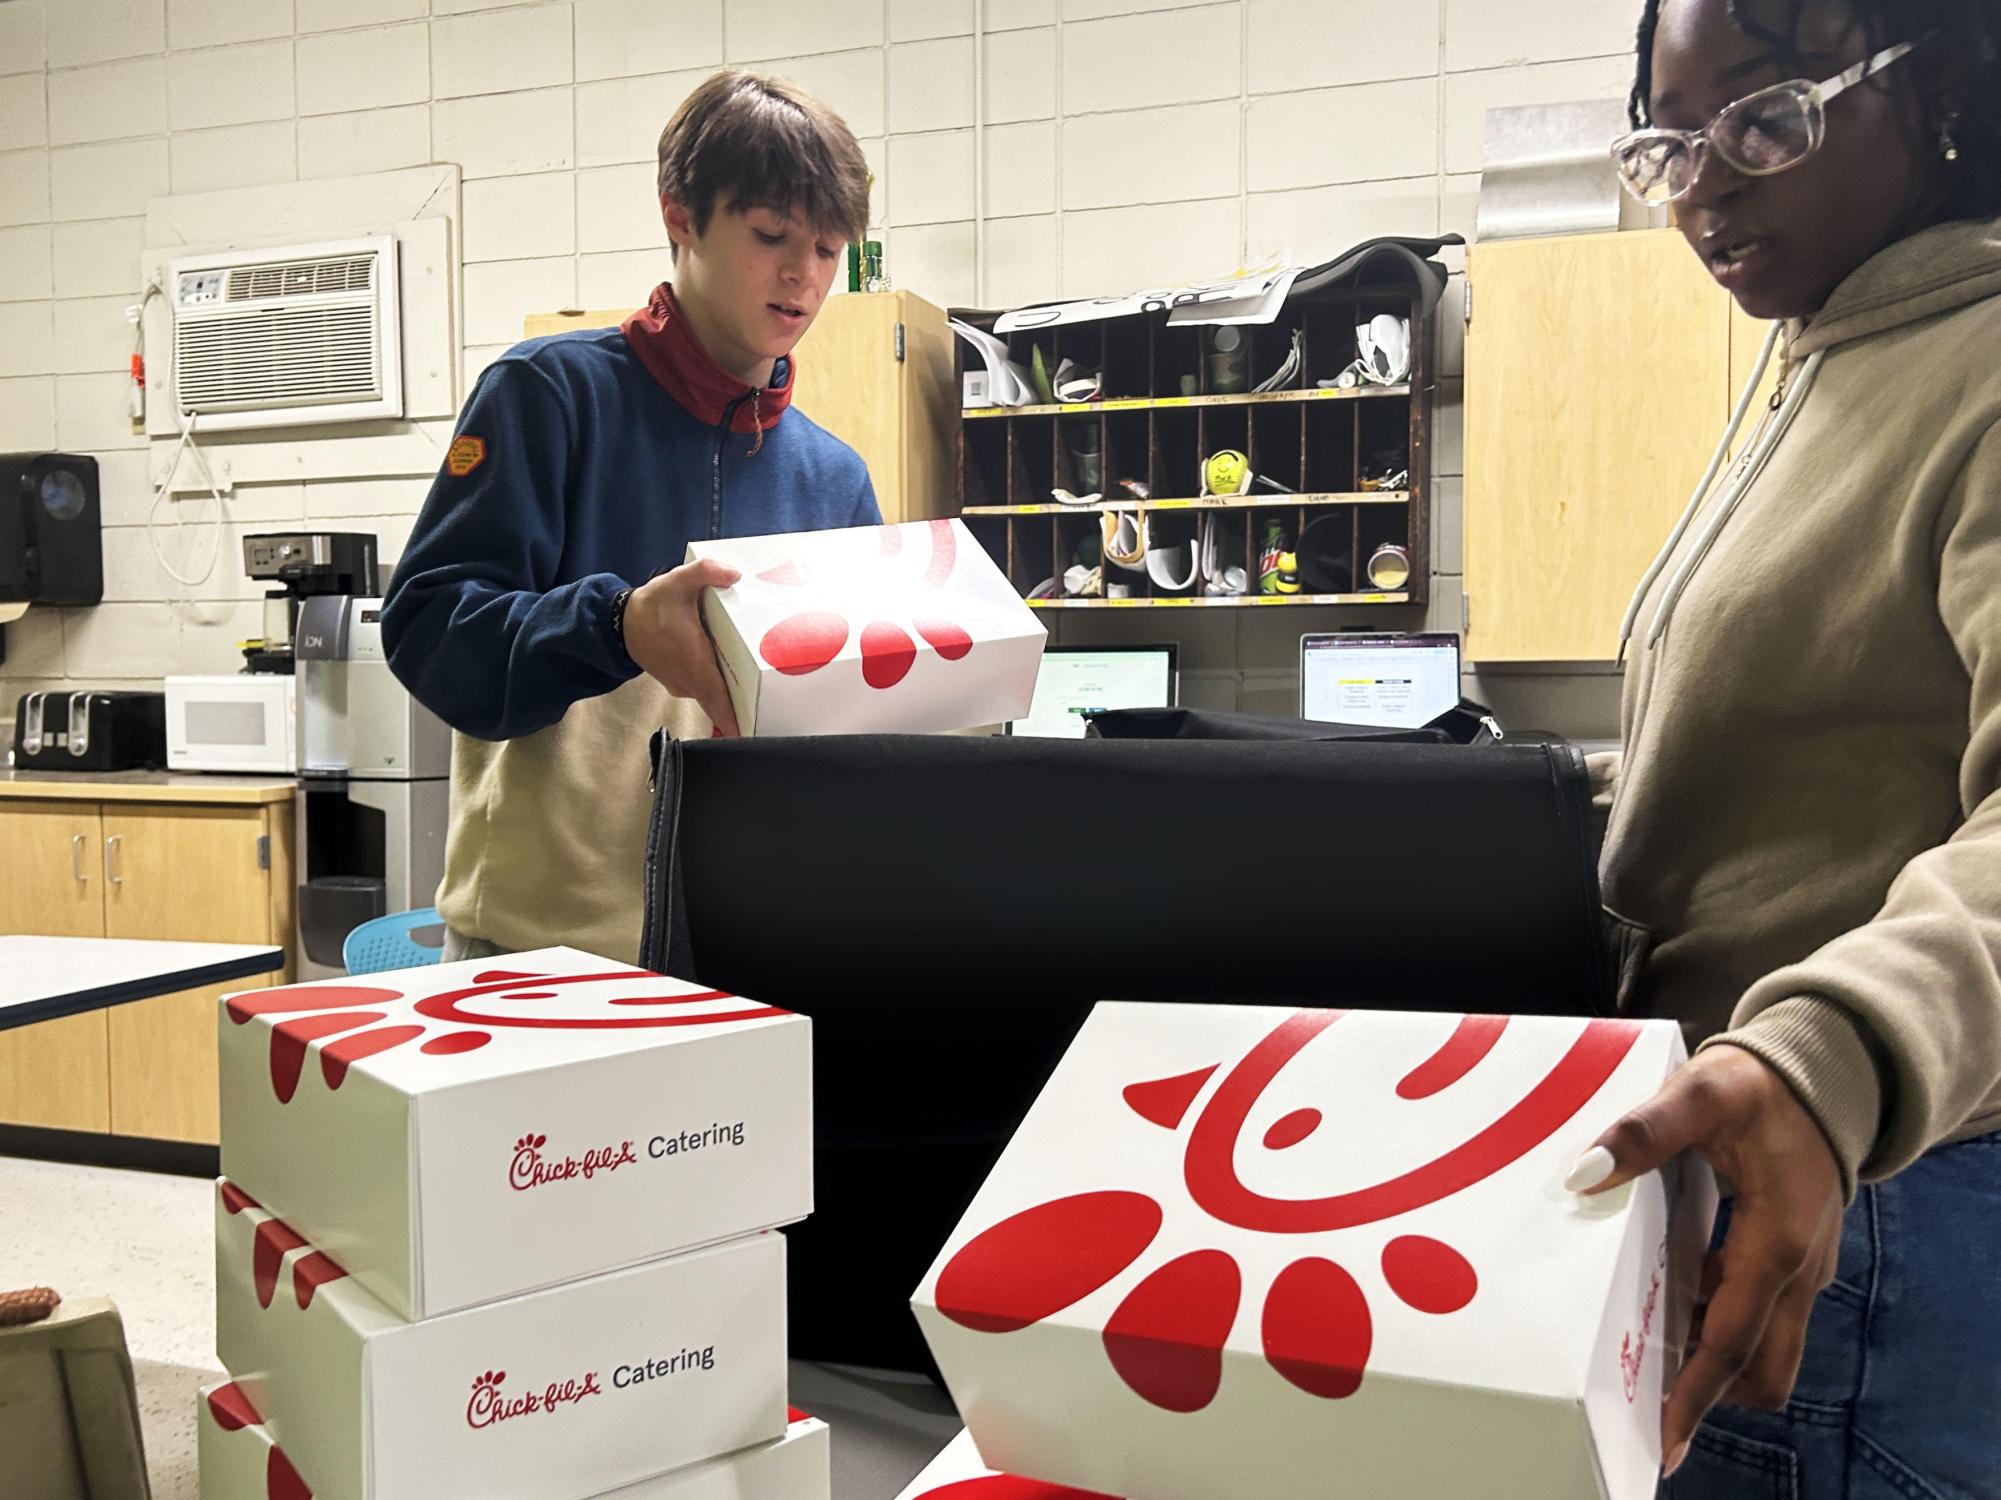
(1399, 681)
(1073, 680)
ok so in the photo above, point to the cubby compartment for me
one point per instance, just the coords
(1031, 460)
(1277, 446)
(1381, 527)
(1177, 360)
(983, 467)
(1330, 446)
(1173, 553)
(1326, 550)
(1272, 355)
(1128, 352)
(1221, 427)
(1177, 454)
(1330, 340)
(1126, 454)
(1080, 454)
(1384, 457)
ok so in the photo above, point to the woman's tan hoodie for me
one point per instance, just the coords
(1805, 837)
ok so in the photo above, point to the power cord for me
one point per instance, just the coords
(164, 492)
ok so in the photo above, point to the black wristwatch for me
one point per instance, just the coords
(618, 603)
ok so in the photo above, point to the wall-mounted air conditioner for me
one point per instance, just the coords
(291, 337)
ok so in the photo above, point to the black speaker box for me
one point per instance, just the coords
(51, 542)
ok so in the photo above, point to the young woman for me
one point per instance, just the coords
(1804, 846)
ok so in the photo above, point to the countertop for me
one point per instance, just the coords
(145, 786)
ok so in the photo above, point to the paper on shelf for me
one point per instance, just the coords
(1009, 382)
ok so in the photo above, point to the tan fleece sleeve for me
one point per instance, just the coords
(1891, 1034)
(1603, 768)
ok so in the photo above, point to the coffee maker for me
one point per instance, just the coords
(374, 781)
(305, 565)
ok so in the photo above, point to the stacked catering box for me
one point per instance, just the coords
(508, 1228)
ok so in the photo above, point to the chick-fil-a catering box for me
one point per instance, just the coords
(871, 630)
(465, 1132)
(1234, 1250)
(958, 1474)
(557, 1395)
(241, 1460)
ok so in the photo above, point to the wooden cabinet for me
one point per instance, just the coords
(127, 868)
(1600, 370)
(875, 370)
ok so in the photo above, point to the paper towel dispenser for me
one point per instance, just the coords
(51, 544)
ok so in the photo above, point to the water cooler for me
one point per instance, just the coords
(374, 781)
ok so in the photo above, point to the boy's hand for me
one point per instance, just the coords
(665, 636)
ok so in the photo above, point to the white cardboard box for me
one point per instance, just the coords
(558, 1395)
(958, 1474)
(904, 629)
(465, 1132)
(1235, 1250)
(240, 1460)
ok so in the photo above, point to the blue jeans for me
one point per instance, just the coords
(1899, 1393)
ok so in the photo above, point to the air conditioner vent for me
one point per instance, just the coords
(301, 278)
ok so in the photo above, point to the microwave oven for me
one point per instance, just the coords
(248, 722)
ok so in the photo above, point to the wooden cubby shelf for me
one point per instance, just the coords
(1157, 420)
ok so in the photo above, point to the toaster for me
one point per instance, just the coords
(90, 731)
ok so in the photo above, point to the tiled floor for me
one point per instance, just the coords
(146, 1242)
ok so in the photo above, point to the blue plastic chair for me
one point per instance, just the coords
(401, 940)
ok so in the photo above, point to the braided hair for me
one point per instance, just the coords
(1966, 30)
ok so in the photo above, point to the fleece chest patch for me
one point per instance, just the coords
(465, 455)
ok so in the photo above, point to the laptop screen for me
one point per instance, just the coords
(1390, 681)
(1076, 679)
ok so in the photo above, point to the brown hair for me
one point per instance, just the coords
(761, 142)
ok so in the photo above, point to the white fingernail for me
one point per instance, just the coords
(1592, 1168)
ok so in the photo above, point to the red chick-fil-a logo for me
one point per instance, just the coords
(1633, 1351)
(489, 1404)
(531, 1169)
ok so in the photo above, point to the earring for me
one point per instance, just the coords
(1948, 148)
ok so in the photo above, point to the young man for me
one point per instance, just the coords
(541, 608)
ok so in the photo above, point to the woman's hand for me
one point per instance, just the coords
(1785, 1228)
(665, 637)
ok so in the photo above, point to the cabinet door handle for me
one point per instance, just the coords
(76, 860)
(110, 848)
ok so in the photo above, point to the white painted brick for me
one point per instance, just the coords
(849, 83)
(478, 358)
(620, 38)
(107, 182)
(1013, 15)
(188, 538)
(23, 46)
(392, 535)
(153, 640)
(25, 254)
(1135, 62)
(501, 294)
(618, 208)
(930, 85)
(1451, 320)
(260, 505)
(34, 656)
(27, 339)
(124, 491)
(1021, 169)
(1021, 262)
(1310, 44)
(1086, 10)
(493, 135)
(1468, 97)
(520, 218)
(374, 140)
(99, 258)
(920, 20)
(931, 177)
(108, 102)
(875, 151)
(620, 120)
(1448, 449)
(24, 187)
(94, 411)
(24, 111)
(1459, 210)
(933, 260)
(339, 499)
(234, 156)
(1112, 250)
(1318, 222)
(28, 412)
(623, 278)
(1502, 33)
(1306, 140)
(460, 7)
(91, 335)
(335, 15)
(495, 52)
(1152, 155)
(1021, 75)
(354, 70)
(90, 31)
(216, 23)
(756, 30)
(230, 85)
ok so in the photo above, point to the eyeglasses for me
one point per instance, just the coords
(1761, 134)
